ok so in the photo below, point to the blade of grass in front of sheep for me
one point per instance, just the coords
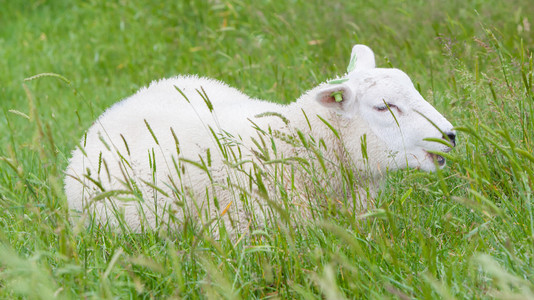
(352, 64)
(336, 133)
(207, 100)
(95, 182)
(82, 148)
(101, 138)
(84, 143)
(303, 139)
(205, 97)
(176, 142)
(125, 144)
(391, 112)
(118, 215)
(261, 153)
(439, 172)
(439, 141)
(151, 132)
(155, 187)
(446, 142)
(398, 126)
(257, 127)
(306, 117)
(183, 94)
(152, 162)
(171, 184)
(201, 166)
(99, 163)
(109, 194)
(446, 155)
(275, 114)
(363, 146)
(208, 103)
(320, 159)
(338, 81)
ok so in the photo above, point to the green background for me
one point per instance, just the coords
(465, 232)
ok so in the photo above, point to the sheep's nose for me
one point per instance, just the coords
(451, 136)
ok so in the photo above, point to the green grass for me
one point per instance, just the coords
(464, 232)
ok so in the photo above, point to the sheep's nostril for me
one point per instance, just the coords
(451, 136)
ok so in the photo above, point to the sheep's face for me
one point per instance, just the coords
(407, 126)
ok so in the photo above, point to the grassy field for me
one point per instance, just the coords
(464, 232)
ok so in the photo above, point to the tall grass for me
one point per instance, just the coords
(463, 232)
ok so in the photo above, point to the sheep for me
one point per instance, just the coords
(173, 144)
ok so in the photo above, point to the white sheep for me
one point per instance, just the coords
(174, 146)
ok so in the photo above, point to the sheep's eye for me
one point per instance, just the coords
(385, 108)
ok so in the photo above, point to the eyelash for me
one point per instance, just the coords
(385, 108)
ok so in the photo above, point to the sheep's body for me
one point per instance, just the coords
(135, 134)
(163, 108)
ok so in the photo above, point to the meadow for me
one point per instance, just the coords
(466, 231)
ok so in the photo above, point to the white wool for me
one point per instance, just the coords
(99, 176)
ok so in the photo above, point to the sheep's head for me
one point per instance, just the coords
(408, 127)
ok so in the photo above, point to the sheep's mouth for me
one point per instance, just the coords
(438, 158)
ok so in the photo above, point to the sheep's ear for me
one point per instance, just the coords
(336, 96)
(362, 57)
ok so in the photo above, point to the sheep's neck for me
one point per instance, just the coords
(341, 152)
